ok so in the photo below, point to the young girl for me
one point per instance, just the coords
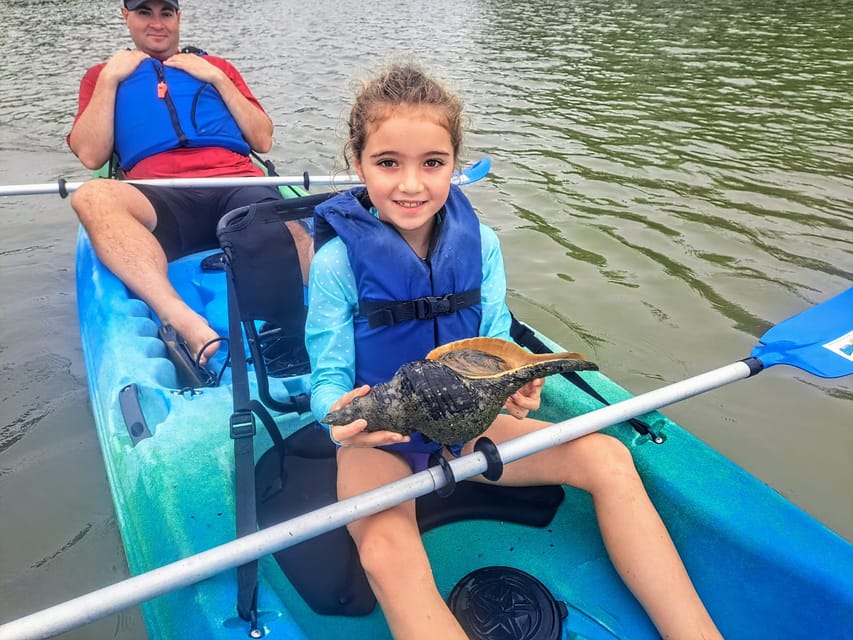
(407, 236)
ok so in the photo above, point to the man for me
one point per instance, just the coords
(165, 114)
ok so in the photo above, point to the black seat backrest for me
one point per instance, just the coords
(268, 285)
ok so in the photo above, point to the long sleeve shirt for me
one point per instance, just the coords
(333, 303)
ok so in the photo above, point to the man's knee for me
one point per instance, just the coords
(82, 200)
(304, 247)
(100, 199)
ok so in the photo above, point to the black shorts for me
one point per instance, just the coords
(187, 218)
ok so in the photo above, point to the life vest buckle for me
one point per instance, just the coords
(426, 308)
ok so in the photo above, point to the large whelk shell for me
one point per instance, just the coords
(457, 391)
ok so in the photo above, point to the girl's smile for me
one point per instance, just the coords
(407, 164)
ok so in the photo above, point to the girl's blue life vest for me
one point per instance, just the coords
(160, 108)
(407, 306)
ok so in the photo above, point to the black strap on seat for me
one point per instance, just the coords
(380, 313)
(266, 162)
(264, 283)
(525, 336)
(242, 425)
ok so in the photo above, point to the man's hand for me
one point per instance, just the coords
(254, 123)
(122, 64)
(197, 67)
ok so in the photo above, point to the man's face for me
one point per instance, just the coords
(154, 28)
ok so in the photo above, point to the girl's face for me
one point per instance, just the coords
(406, 165)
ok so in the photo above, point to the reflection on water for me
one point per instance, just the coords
(707, 140)
(669, 180)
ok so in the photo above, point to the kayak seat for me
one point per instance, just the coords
(264, 266)
(300, 474)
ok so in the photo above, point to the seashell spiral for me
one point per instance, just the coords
(454, 394)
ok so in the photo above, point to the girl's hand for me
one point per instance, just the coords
(354, 434)
(526, 399)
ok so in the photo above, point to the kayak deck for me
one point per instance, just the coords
(763, 567)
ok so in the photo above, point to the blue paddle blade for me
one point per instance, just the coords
(818, 340)
(475, 172)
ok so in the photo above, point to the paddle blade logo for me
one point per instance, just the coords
(842, 346)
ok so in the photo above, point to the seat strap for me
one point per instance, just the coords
(242, 426)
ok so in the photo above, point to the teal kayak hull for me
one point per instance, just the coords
(764, 568)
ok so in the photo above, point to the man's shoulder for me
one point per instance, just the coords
(95, 70)
(219, 61)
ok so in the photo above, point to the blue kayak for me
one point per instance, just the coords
(764, 568)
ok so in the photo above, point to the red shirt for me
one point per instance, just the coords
(184, 163)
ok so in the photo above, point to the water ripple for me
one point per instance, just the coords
(68, 545)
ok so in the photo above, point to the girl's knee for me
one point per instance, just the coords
(373, 560)
(613, 452)
(607, 462)
(383, 552)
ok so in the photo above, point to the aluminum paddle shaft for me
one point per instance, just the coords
(472, 173)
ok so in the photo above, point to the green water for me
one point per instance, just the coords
(669, 180)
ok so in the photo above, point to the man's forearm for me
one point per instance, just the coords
(93, 135)
(255, 125)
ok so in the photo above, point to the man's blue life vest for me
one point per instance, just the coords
(189, 113)
(407, 306)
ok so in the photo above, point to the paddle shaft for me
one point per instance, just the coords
(130, 592)
(63, 188)
(473, 173)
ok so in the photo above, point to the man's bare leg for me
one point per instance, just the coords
(304, 247)
(119, 221)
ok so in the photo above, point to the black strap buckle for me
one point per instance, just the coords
(242, 425)
(431, 307)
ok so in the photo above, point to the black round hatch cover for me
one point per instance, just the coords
(503, 603)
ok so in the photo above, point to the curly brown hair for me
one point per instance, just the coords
(400, 85)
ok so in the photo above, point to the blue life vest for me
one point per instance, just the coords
(190, 113)
(407, 306)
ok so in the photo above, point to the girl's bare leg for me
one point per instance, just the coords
(392, 553)
(636, 538)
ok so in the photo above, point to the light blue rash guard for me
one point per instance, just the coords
(333, 302)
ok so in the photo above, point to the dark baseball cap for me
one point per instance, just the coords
(132, 5)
